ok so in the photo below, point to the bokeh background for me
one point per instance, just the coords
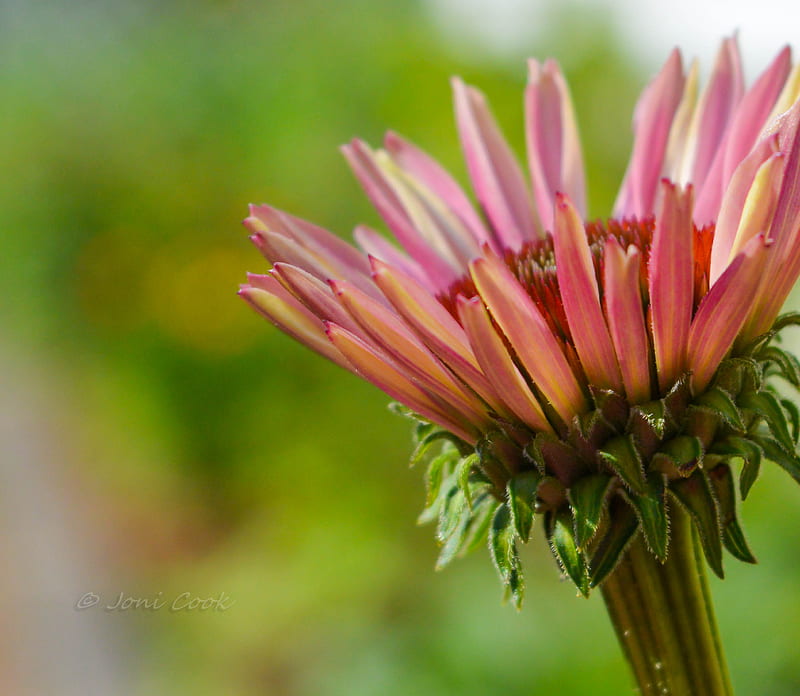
(157, 438)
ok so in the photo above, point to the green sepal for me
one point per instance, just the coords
(621, 456)
(794, 417)
(751, 454)
(427, 435)
(733, 538)
(766, 405)
(647, 424)
(463, 470)
(552, 455)
(450, 513)
(611, 407)
(682, 453)
(587, 497)
(773, 451)
(438, 469)
(504, 554)
(676, 401)
(720, 402)
(521, 492)
(784, 320)
(562, 541)
(452, 543)
(729, 375)
(651, 509)
(696, 496)
(483, 510)
(621, 527)
(787, 365)
(470, 529)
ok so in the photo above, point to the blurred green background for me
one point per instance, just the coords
(159, 438)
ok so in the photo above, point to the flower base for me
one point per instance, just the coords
(664, 619)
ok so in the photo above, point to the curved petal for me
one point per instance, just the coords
(626, 323)
(428, 171)
(375, 244)
(434, 325)
(537, 348)
(671, 282)
(291, 317)
(733, 203)
(652, 123)
(384, 374)
(499, 366)
(390, 207)
(579, 294)
(387, 331)
(723, 312)
(495, 173)
(554, 150)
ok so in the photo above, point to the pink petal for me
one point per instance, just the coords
(723, 311)
(498, 365)
(440, 228)
(745, 126)
(529, 335)
(755, 107)
(554, 151)
(623, 303)
(783, 267)
(434, 325)
(495, 173)
(671, 276)
(730, 212)
(375, 244)
(717, 104)
(652, 122)
(313, 293)
(579, 294)
(282, 237)
(424, 168)
(385, 330)
(385, 200)
(384, 374)
(316, 239)
(285, 312)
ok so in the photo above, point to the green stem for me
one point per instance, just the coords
(664, 619)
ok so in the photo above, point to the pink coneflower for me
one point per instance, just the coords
(578, 369)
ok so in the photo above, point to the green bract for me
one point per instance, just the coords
(617, 470)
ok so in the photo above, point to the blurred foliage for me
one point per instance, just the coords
(228, 458)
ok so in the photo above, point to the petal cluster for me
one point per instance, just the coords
(508, 315)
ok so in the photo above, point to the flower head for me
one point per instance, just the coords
(590, 372)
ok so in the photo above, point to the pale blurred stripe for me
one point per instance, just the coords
(46, 556)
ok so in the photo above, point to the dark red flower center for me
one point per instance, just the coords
(534, 266)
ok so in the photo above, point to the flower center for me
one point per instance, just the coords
(534, 266)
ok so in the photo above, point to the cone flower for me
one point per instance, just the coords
(602, 375)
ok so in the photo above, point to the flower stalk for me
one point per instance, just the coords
(664, 619)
